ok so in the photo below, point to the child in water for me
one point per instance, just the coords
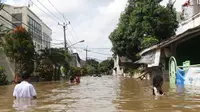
(157, 85)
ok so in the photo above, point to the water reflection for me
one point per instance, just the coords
(24, 104)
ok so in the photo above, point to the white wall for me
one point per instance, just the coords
(116, 65)
(7, 16)
(193, 19)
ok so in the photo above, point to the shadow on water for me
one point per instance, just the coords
(105, 94)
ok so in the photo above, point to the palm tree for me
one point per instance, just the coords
(58, 57)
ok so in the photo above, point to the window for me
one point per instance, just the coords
(17, 17)
(35, 30)
(16, 24)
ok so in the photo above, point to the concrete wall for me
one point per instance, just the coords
(8, 66)
(75, 61)
(193, 18)
(119, 70)
(7, 16)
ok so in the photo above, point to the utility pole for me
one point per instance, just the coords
(86, 53)
(64, 25)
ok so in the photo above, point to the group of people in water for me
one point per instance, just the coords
(26, 90)
(23, 89)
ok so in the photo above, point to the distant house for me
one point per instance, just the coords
(119, 65)
(76, 61)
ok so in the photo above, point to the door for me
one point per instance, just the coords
(172, 69)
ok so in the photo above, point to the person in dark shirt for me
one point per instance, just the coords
(157, 85)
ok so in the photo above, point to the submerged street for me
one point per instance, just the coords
(102, 94)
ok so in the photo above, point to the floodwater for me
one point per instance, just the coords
(102, 94)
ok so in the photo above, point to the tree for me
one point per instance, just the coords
(45, 70)
(3, 77)
(92, 66)
(57, 57)
(91, 70)
(19, 46)
(106, 66)
(143, 24)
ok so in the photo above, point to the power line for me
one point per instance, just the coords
(57, 40)
(100, 53)
(49, 11)
(74, 31)
(14, 17)
(58, 11)
(95, 52)
(71, 43)
(101, 48)
(44, 11)
(7, 20)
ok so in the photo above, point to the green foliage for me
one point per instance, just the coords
(148, 41)
(92, 66)
(84, 71)
(74, 71)
(57, 57)
(93, 63)
(45, 70)
(143, 24)
(91, 70)
(19, 46)
(3, 77)
(106, 66)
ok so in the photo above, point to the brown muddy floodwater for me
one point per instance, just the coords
(102, 94)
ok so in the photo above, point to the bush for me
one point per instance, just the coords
(3, 77)
(45, 70)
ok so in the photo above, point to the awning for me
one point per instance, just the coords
(151, 58)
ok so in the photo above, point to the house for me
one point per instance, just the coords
(184, 46)
(76, 60)
(119, 65)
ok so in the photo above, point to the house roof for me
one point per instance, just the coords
(166, 42)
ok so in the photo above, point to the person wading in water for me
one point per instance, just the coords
(157, 85)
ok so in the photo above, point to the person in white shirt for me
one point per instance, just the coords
(24, 89)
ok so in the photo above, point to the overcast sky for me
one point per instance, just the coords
(91, 20)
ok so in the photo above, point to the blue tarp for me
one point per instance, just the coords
(180, 76)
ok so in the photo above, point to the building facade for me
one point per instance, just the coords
(10, 17)
(23, 16)
(76, 61)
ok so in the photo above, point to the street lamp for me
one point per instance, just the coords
(76, 43)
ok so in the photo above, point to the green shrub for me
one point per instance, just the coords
(3, 77)
(45, 70)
